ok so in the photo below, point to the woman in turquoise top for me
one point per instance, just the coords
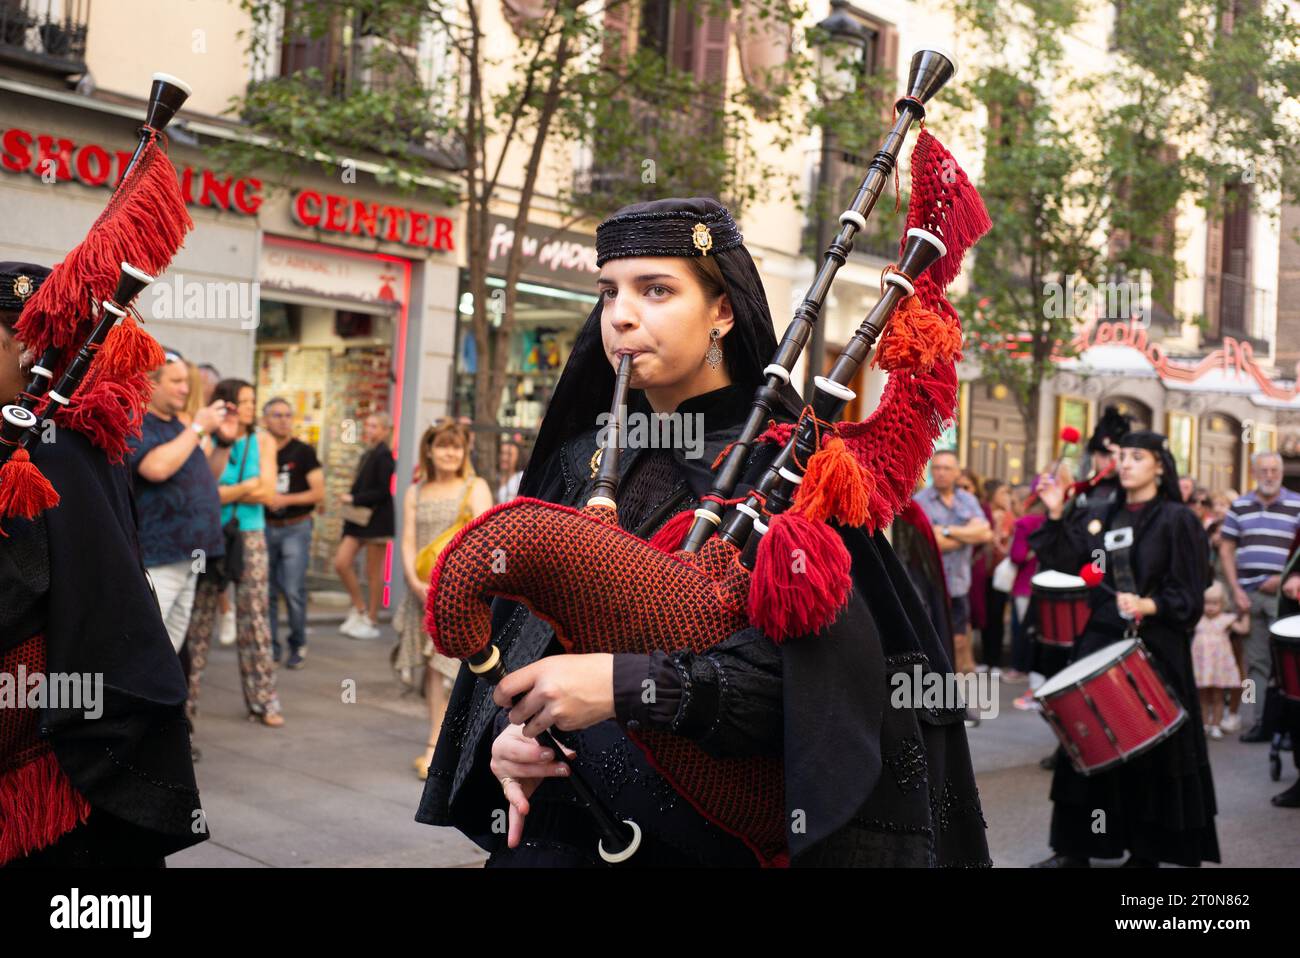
(246, 485)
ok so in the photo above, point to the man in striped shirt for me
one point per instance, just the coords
(1254, 545)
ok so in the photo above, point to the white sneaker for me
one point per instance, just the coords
(365, 629)
(351, 622)
(1216, 732)
(1231, 723)
(226, 636)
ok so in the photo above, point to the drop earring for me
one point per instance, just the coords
(714, 356)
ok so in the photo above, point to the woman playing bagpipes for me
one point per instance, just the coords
(1158, 806)
(104, 777)
(864, 783)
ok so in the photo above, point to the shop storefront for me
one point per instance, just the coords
(338, 293)
(332, 341)
(1217, 409)
(555, 295)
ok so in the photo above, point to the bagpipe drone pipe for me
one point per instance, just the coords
(668, 595)
(92, 374)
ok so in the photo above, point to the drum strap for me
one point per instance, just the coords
(1118, 541)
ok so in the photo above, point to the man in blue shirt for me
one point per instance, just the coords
(176, 492)
(1253, 548)
(959, 526)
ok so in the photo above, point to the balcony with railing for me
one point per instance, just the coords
(1244, 311)
(45, 35)
(612, 168)
(414, 74)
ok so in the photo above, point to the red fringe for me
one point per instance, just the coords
(835, 486)
(786, 602)
(673, 534)
(144, 224)
(24, 490)
(108, 411)
(38, 805)
(896, 442)
(128, 350)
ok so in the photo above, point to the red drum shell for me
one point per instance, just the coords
(1110, 706)
(1063, 613)
(1284, 641)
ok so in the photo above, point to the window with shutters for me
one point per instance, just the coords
(691, 38)
(353, 50)
(1234, 262)
(878, 88)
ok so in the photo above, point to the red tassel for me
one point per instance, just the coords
(38, 805)
(917, 338)
(129, 350)
(108, 411)
(670, 537)
(144, 224)
(24, 490)
(801, 577)
(835, 486)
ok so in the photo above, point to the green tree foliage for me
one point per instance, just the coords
(1088, 157)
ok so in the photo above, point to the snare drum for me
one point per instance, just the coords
(1110, 706)
(1284, 639)
(1063, 611)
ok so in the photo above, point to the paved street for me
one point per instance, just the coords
(334, 786)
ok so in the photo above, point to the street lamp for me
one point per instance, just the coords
(842, 43)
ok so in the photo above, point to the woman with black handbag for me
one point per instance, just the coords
(246, 485)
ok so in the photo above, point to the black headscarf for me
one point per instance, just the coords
(662, 227)
(1158, 444)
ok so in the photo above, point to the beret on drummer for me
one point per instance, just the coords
(19, 283)
(694, 227)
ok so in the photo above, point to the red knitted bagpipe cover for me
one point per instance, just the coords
(605, 590)
(37, 802)
(144, 224)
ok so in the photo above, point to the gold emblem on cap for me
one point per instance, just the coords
(702, 238)
(23, 287)
(1094, 527)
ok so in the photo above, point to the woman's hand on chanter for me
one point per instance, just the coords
(520, 763)
(568, 692)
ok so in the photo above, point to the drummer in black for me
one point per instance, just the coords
(1159, 806)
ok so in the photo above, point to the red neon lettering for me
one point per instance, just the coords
(17, 157)
(243, 201)
(365, 215)
(61, 157)
(300, 211)
(336, 220)
(442, 233)
(215, 191)
(93, 165)
(419, 234)
(395, 215)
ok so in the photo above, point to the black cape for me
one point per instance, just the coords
(1159, 805)
(83, 585)
(865, 783)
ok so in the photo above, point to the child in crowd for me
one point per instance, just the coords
(1212, 658)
